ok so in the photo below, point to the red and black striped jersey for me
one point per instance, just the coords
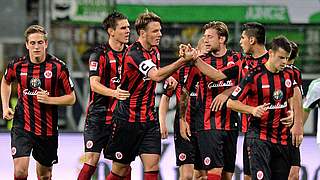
(137, 62)
(105, 63)
(51, 75)
(262, 86)
(242, 67)
(225, 119)
(181, 76)
(297, 76)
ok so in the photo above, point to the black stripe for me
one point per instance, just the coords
(54, 109)
(260, 101)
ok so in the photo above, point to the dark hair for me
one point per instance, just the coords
(294, 50)
(220, 27)
(254, 29)
(111, 20)
(144, 19)
(35, 29)
(281, 42)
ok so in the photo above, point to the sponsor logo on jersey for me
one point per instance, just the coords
(93, 66)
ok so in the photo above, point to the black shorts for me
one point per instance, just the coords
(44, 148)
(96, 136)
(132, 139)
(268, 160)
(216, 149)
(246, 163)
(185, 153)
(294, 154)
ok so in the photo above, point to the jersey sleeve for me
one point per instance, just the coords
(65, 81)
(139, 61)
(96, 63)
(243, 89)
(194, 73)
(9, 74)
(313, 95)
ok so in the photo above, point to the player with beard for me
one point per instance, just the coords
(136, 127)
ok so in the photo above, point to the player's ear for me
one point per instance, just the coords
(252, 40)
(110, 31)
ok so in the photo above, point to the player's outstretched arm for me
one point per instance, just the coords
(209, 71)
(164, 72)
(238, 106)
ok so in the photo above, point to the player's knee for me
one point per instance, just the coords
(45, 177)
(21, 172)
(293, 176)
(186, 176)
(151, 167)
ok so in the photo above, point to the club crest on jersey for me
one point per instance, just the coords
(288, 83)
(182, 156)
(47, 74)
(89, 144)
(93, 66)
(277, 95)
(119, 155)
(13, 151)
(35, 83)
(158, 56)
(260, 175)
(207, 161)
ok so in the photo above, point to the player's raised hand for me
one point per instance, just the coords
(287, 121)
(260, 110)
(8, 113)
(43, 96)
(182, 49)
(121, 94)
(170, 83)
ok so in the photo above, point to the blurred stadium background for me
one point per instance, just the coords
(75, 25)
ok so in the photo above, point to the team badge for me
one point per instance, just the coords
(13, 151)
(48, 74)
(207, 161)
(93, 66)
(119, 155)
(288, 83)
(89, 144)
(260, 175)
(35, 83)
(158, 56)
(182, 156)
(277, 95)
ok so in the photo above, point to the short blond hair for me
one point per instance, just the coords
(144, 19)
(35, 29)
